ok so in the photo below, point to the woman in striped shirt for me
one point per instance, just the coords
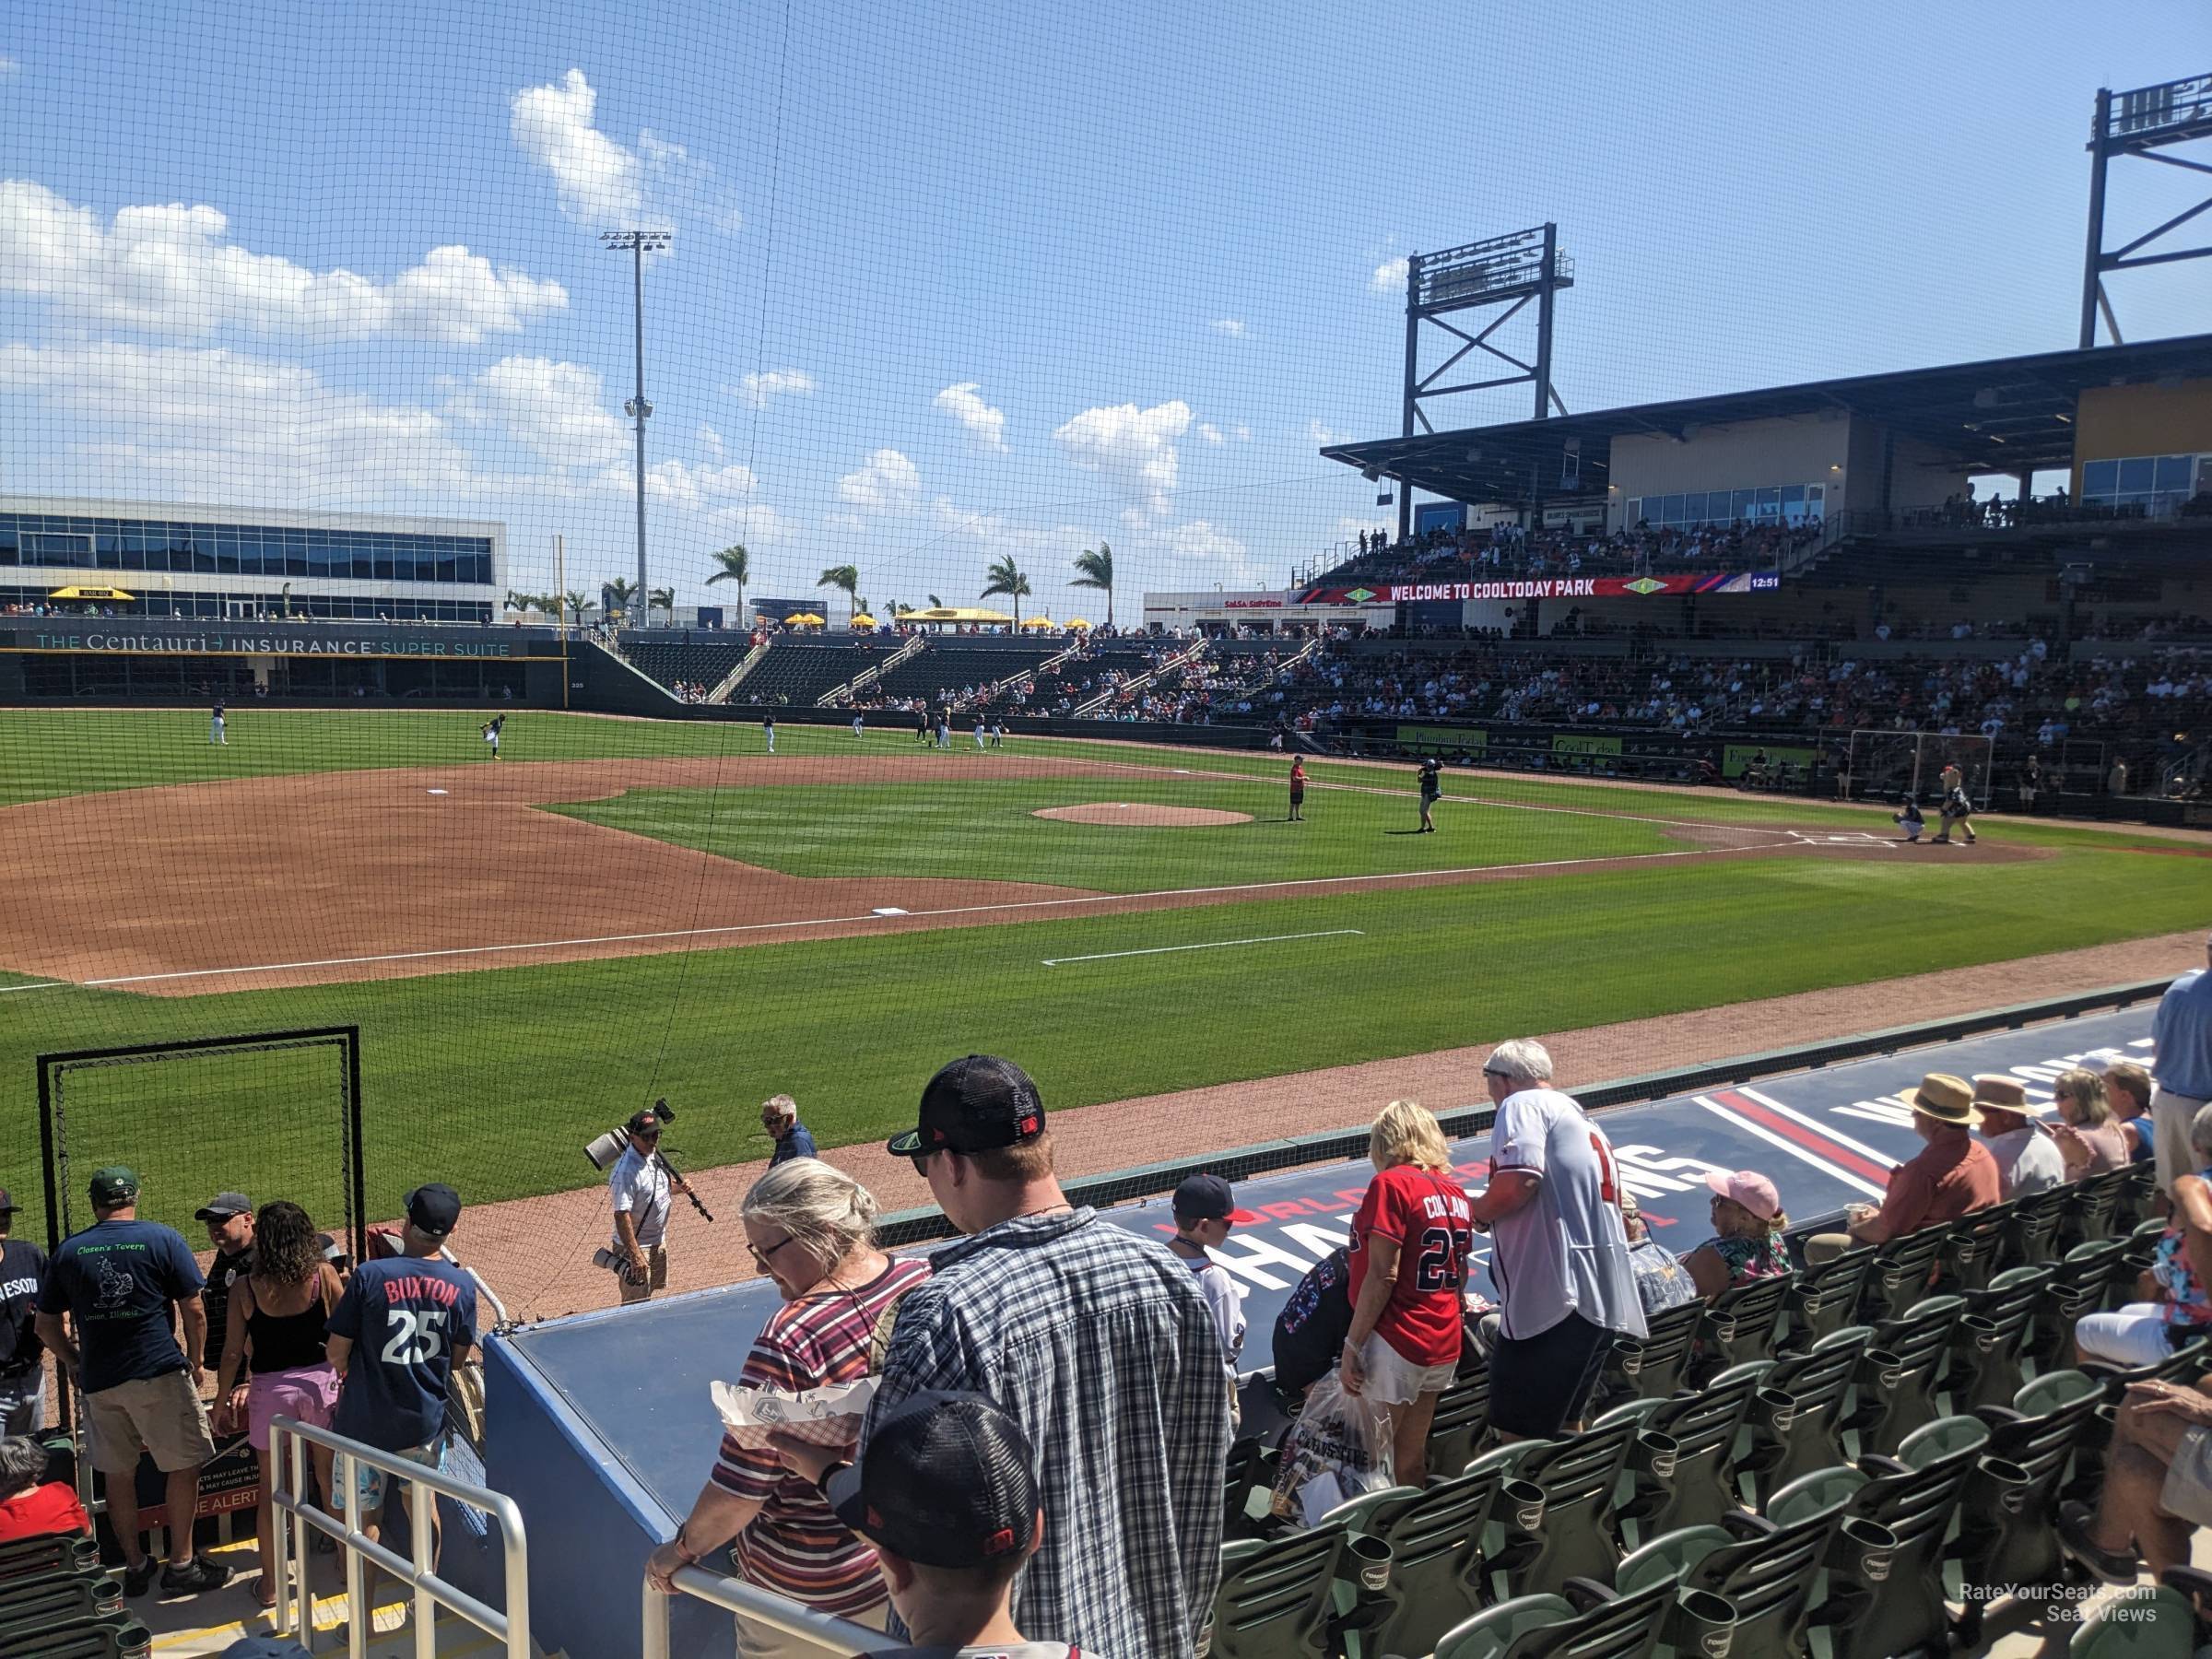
(811, 1228)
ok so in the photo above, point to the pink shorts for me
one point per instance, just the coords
(309, 1393)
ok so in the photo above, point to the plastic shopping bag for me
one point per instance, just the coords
(1337, 1450)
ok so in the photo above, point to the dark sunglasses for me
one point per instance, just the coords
(760, 1257)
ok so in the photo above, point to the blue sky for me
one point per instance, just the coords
(955, 281)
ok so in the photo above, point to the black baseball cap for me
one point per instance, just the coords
(1204, 1198)
(948, 1480)
(223, 1205)
(644, 1121)
(976, 1104)
(433, 1209)
(8, 1202)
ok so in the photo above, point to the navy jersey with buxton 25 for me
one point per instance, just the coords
(404, 1317)
(116, 1279)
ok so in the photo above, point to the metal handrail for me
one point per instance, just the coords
(294, 1610)
(840, 1637)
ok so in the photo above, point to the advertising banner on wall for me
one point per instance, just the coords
(1542, 587)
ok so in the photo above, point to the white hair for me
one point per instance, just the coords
(782, 1107)
(1522, 1060)
(22, 1465)
(829, 1213)
(2200, 1130)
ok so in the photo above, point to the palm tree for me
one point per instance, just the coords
(1004, 579)
(936, 603)
(621, 594)
(520, 602)
(734, 565)
(577, 604)
(848, 578)
(666, 599)
(1098, 572)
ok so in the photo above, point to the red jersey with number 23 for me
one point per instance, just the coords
(1429, 1218)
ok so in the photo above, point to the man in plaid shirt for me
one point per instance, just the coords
(1098, 1343)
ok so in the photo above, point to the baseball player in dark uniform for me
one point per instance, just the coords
(492, 728)
(214, 726)
(1432, 785)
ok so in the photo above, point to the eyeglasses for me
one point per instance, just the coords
(760, 1257)
(1493, 1072)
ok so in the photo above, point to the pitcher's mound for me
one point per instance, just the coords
(1142, 814)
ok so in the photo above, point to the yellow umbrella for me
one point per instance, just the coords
(1076, 622)
(89, 592)
(864, 620)
(1037, 622)
(803, 619)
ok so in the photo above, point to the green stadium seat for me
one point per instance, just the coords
(1897, 1377)
(1575, 1534)
(2032, 1238)
(2006, 1540)
(1246, 1476)
(1823, 1299)
(1767, 1572)
(2133, 1206)
(1653, 1368)
(1698, 1486)
(1462, 1414)
(2079, 1279)
(1591, 1623)
(49, 1552)
(1974, 1251)
(1438, 1574)
(1742, 1324)
(1985, 1367)
(1797, 1415)
(2089, 1216)
(1352, 1514)
(2144, 1622)
(118, 1637)
(1904, 1272)
(1278, 1600)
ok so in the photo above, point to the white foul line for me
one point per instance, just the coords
(956, 910)
(1107, 955)
(1804, 1154)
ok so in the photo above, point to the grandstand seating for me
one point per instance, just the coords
(58, 1602)
(950, 669)
(797, 673)
(692, 662)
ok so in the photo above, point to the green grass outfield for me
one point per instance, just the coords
(495, 1078)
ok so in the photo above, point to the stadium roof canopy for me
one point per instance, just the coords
(2005, 416)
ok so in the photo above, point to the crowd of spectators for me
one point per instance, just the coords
(1512, 550)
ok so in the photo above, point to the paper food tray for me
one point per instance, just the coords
(823, 1417)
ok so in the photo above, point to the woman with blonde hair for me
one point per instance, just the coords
(1411, 1239)
(810, 1228)
(2088, 1140)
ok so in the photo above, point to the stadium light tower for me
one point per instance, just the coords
(639, 243)
(2144, 122)
(1508, 271)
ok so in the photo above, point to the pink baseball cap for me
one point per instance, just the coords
(1751, 1190)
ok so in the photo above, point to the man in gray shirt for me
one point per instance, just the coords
(2028, 1159)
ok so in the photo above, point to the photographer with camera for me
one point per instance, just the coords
(641, 1185)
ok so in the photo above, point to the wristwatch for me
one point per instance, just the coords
(822, 1486)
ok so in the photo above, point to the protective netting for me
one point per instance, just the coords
(943, 692)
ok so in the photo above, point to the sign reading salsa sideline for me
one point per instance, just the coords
(1543, 587)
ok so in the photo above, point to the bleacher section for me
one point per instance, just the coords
(797, 671)
(952, 668)
(690, 660)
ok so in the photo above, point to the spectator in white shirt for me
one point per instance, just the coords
(2028, 1159)
(1205, 1211)
(639, 1186)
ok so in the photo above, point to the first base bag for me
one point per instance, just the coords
(1337, 1450)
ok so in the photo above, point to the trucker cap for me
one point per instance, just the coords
(116, 1183)
(1203, 1199)
(976, 1104)
(223, 1205)
(433, 1209)
(948, 1480)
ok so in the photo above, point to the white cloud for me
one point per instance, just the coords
(1217, 554)
(601, 181)
(207, 423)
(754, 522)
(1134, 447)
(556, 409)
(1319, 433)
(986, 425)
(596, 179)
(1210, 432)
(7, 66)
(758, 387)
(1389, 278)
(709, 441)
(687, 485)
(1229, 325)
(171, 269)
(1243, 433)
(889, 482)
